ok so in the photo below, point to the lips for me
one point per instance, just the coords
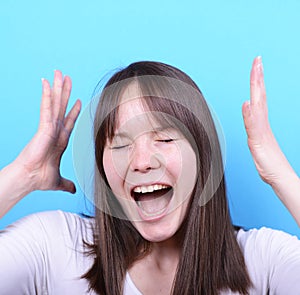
(153, 199)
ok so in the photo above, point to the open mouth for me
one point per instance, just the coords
(152, 199)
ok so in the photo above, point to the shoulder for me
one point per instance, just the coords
(45, 251)
(50, 225)
(268, 246)
(265, 238)
(272, 258)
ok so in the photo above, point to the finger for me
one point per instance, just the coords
(67, 186)
(46, 103)
(72, 116)
(65, 95)
(257, 85)
(69, 123)
(246, 111)
(56, 93)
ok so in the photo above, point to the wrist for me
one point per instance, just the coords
(15, 176)
(286, 184)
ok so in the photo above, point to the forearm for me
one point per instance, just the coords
(287, 188)
(14, 185)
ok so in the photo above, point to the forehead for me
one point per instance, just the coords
(131, 92)
(131, 108)
(135, 117)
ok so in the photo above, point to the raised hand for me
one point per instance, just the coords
(41, 158)
(267, 155)
(269, 160)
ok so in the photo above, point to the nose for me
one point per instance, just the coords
(144, 158)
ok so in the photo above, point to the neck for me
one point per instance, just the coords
(165, 255)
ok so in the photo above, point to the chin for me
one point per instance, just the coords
(156, 232)
(156, 238)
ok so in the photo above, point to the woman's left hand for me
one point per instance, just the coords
(270, 162)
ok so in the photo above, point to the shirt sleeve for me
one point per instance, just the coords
(45, 253)
(284, 260)
(273, 261)
(22, 270)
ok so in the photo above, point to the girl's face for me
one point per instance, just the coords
(150, 168)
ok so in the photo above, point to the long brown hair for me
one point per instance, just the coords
(210, 259)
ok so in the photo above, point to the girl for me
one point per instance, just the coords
(162, 224)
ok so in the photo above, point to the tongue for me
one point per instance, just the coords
(153, 203)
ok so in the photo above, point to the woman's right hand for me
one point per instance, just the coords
(40, 159)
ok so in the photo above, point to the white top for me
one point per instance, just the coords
(43, 254)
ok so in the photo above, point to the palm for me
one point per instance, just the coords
(41, 157)
(264, 148)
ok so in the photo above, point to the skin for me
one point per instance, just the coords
(38, 165)
(38, 168)
(270, 162)
(141, 153)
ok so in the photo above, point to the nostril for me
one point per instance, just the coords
(142, 169)
(143, 155)
(142, 163)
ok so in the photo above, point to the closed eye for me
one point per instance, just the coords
(118, 147)
(166, 140)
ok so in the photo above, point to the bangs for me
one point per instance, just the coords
(172, 104)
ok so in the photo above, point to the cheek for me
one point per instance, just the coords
(115, 172)
(173, 163)
(180, 161)
(186, 171)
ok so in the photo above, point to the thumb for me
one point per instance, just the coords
(67, 186)
(246, 111)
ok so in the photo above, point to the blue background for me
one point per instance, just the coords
(213, 41)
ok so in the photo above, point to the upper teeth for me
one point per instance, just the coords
(149, 188)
